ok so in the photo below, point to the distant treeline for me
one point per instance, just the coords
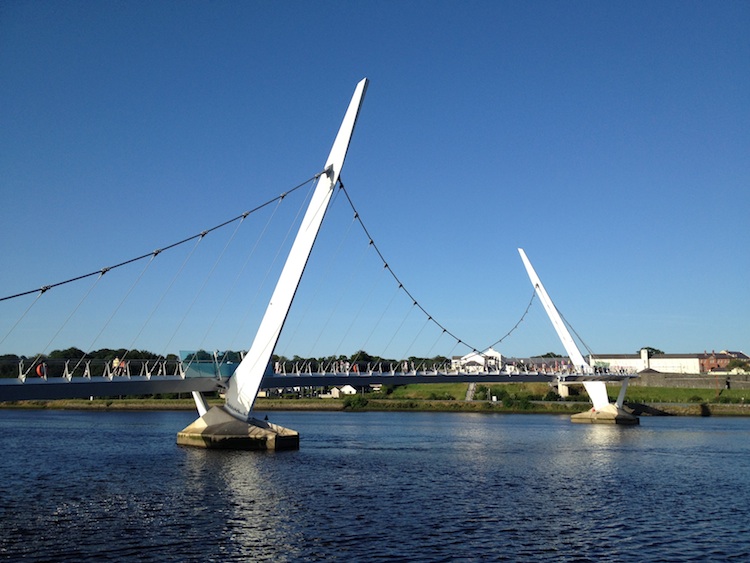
(9, 362)
(103, 354)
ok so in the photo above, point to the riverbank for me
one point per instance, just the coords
(395, 405)
(531, 398)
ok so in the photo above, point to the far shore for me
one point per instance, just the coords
(384, 405)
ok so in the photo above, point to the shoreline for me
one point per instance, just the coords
(703, 409)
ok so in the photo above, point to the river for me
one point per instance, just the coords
(114, 486)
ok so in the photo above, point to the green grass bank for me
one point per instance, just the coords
(500, 398)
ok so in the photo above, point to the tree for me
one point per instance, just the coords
(651, 351)
(69, 354)
(362, 356)
(200, 356)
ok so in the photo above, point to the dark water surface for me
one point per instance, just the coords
(93, 486)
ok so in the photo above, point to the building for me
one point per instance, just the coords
(478, 362)
(667, 363)
(338, 392)
(720, 360)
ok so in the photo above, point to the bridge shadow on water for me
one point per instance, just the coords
(639, 409)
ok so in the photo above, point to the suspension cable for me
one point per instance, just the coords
(533, 295)
(202, 234)
(417, 304)
(65, 322)
(239, 276)
(395, 277)
(199, 236)
(205, 281)
(114, 312)
(163, 295)
(380, 319)
(416, 336)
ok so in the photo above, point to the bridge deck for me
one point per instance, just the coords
(14, 389)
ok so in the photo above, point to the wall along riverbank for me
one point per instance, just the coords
(509, 398)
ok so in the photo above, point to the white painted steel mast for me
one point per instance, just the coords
(597, 390)
(245, 383)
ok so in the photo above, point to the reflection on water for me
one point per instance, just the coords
(228, 487)
(83, 486)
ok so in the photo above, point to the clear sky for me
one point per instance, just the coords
(610, 140)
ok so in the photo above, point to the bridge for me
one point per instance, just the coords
(141, 377)
(233, 424)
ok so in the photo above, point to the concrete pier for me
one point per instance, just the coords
(217, 429)
(607, 415)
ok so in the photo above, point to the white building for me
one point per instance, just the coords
(667, 363)
(477, 362)
(338, 392)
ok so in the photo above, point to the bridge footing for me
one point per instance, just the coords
(610, 414)
(217, 429)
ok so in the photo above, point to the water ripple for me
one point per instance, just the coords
(375, 486)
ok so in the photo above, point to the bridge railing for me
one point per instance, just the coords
(402, 368)
(356, 368)
(67, 369)
(50, 368)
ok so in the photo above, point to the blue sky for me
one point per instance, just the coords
(610, 140)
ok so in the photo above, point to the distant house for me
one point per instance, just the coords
(338, 392)
(477, 362)
(719, 360)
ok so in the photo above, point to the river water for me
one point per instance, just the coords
(114, 486)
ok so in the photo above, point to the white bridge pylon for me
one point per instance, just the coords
(245, 383)
(596, 390)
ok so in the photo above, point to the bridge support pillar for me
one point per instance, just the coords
(610, 414)
(563, 390)
(217, 429)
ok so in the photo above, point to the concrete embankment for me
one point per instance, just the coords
(691, 380)
(689, 409)
(655, 400)
(530, 407)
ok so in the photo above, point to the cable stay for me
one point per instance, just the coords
(416, 337)
(317, 291)
(151, 256)
(578, 336)
(192, 358)
(234, 421)
(355, 318)
(65, 322)
(237, 278)
(45, 288)
(416, 303)
(198, 237)
(272, 263)
(114, 312)
(203, 285)
(23, 315)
